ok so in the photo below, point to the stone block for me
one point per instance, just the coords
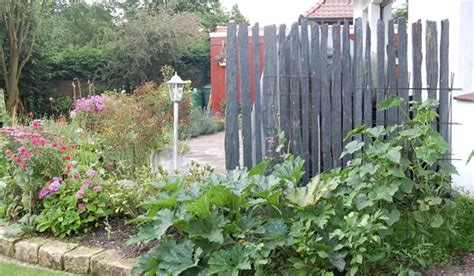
(79, 259)
(111, 263)
(7, 244)
(51, 254)
(27, 250)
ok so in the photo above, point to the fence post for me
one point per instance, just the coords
(392, 113)
(432, 61)
(347, 87)
(416, 30)
(232, 154)
(305, 104)
(325, 102)
(257, 92)
(444, 81)
(358, 73)
(270, 97)
(380, 118)
(283, 72)
(368, 120)
(403, 65)
(336, 96)
(244, 73)
(295, 71)
(315, 64)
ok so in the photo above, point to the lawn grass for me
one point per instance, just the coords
(8, 268)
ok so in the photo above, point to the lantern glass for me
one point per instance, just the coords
(176, 88)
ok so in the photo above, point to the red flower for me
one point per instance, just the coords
(18, 160)
(24, 166)
(8, 152)
(63, 148)
(54, 144)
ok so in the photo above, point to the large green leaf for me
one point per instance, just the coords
(436, 221)
(310, 194)
(390, 102)
(210, 228)
(394, 154)
(352, 147)
(230, 261)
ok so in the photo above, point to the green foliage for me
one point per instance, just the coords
(380, 213)
(201, 124)
(463, 214)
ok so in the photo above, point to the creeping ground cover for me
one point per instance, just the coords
(390, 210)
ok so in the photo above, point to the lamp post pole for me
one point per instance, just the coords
(175, 135)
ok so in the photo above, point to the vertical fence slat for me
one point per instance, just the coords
(283, 80)
(257, 92)
(432, 61)
(443, 81)
(392, 113)
(315, 98)
(295, 91)
(403, 65)
(325, 102)
(358, 73)
(270, 97)
(336, 95)
(416, 30)
(244, 73)
(368, 120)
(232, 153)
(347, 87)
(305, 104)
(380, 118)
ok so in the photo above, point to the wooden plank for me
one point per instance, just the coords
(358, 73)
(232, 154)
(347, 87)
(416, 30)
(305, 104)
(325, 103)
(403, 67)
(257, 92)
(336, 95)
(315, 98)
(270, 96)
(295, 91)
(244, 73)
(392, 113)
(380, 117)
(432, 62)
(284, 88)
(368, 120)
(444, 96)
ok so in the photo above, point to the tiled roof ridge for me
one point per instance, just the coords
(325, 8)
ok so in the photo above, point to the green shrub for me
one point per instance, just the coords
(464, 224)
(379, 214)
(201, 124)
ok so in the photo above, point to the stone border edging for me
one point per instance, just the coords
(68, 257)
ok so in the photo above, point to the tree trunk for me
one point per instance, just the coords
(13, 97)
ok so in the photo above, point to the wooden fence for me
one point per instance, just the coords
(315, 94)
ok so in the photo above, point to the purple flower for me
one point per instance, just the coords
(55, 185)
(43, 193)
(80, 193)
(91, 173)
(87, 182)
(81, 206)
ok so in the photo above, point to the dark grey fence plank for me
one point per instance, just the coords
(284, 89)
(432, 62)
(257, 92)
(444, 106)
(392, 113)
(315, 98)
(305, 104)
(403, 66)
(295, 91)
(358, 73)
(380, 118)
(368, 120)
(270, 96)
(244, 73)
(416, 30)
(336, 95)
(232, 155)
(347, 86)
(325, 103)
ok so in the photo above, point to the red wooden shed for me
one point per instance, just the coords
(218, 41)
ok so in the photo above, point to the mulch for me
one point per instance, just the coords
(464, 267)
(113, 235)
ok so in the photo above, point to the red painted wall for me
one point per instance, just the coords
(218, 72)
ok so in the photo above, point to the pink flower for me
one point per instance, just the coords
(36, 123)
(80, 193)
(18, 160)
(75, 175)
(54, 144)
(8, 152)
(91, 173)
(96, 188)
(73, 146)
(23, 151)
(87, 182)
(43, 193)
(24, 166)
(81, 206)
(63, 148)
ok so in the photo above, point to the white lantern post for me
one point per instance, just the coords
(176, 89)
